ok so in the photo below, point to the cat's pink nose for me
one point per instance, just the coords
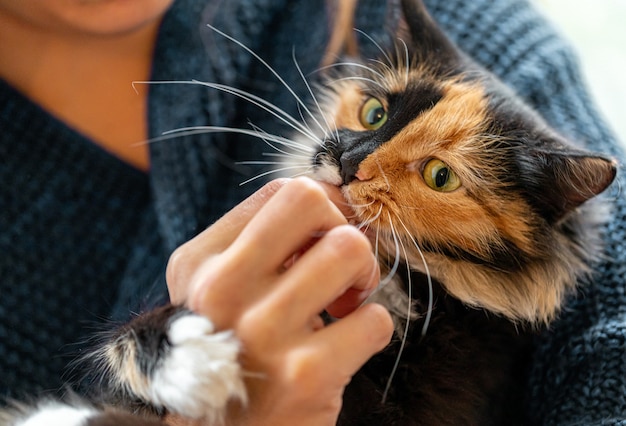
(362, 176)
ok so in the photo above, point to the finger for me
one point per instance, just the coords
(299, 212)
(342, 261)
(350, 300)
(230, 225)
(337, 198)
(186, 259)
(352, 340)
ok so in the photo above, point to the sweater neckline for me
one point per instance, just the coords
(23, 115)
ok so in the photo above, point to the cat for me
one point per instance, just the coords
(448, 169)
(449, 172)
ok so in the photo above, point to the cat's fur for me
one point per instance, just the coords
(494, 256)
(504, 248)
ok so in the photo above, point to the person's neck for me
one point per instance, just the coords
(85, 81)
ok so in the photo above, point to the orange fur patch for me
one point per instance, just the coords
(391, 197)
(451, 131)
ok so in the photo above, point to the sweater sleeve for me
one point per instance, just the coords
(577, 374)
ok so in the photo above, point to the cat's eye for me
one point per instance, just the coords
(373, 114)
(440, 177)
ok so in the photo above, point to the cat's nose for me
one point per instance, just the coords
(349, 169)
(349, 151)
(362, 176)
(347, 177)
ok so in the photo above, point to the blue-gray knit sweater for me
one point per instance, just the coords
(84, 238)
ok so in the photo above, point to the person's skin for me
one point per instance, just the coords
(243, 262)
(77, 59)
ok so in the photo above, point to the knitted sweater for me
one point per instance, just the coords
(84, 238)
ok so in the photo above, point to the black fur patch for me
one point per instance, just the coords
(353, 147)
(150, 334)
(502, 257)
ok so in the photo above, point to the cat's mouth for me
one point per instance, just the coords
(370, 214)
(369, 198)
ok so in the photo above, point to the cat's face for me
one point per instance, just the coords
(417, 156)
(451, 171)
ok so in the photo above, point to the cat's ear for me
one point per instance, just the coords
(423, 37)
(567, 178)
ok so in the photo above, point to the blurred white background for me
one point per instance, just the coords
(597, 29)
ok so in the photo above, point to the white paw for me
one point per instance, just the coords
(201, 373)
(51, 413)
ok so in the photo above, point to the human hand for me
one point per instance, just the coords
(240, 273)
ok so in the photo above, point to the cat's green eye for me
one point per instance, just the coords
(373, 114)
(440, 177)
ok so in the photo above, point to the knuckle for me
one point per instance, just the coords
(218, 273)
(268, 191)
(178, 263)
(347, 238)
(213, 291)
(380, 325)
(307, 192)
(274, 185)
(303, 366)
(255, 328)
(308, 373)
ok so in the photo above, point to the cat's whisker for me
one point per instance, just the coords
(406, 63)
(273, 109)
(354, 65)
(431, 296)
(398, 242)
(317, 104)
(364, 205)
(335, 127)
(286, 155)
(396, 262)
(269, 139)
(305, 123)
(276, 111)
(376, 249)
(352, 216)
(382, 65)
(273, 71)
(306, 173)
(367, 222)
(377, 45)
(287, 166)
(364, 225)
(384, 175)
(269, 163)
(368, 80)
(187, 131)
(345, 203)
(282, 153)
(273, 171)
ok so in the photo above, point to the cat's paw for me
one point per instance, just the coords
(71, 413)
(47, 413)
(173, 359)
(200, 374)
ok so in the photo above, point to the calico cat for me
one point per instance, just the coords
(448, 169)
(452, 175)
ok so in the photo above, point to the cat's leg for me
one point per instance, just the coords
(171, 359)
(76, 413)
